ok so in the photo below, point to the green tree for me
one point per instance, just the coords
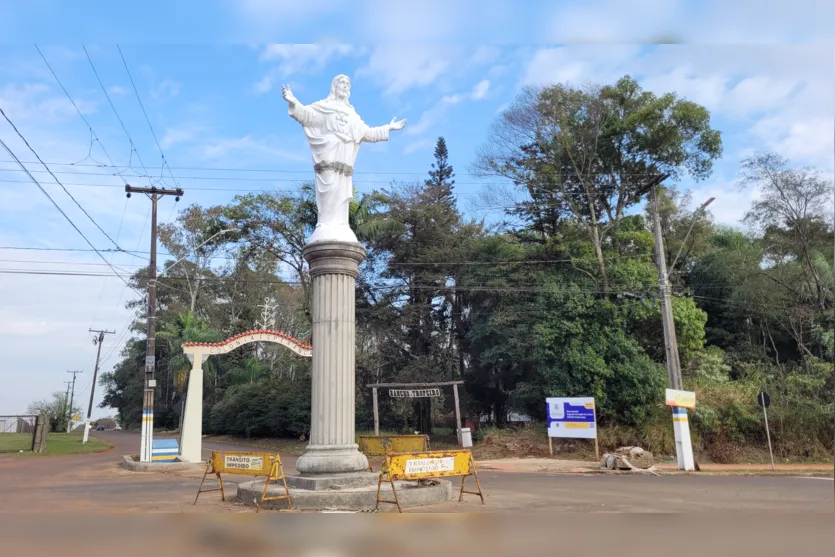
(589, 154)
(56, 408)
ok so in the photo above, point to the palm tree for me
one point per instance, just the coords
(186, 327)
(364, 213)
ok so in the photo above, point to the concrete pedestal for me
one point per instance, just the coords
(348, 497)
(334, 267)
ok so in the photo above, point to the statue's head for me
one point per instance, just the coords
(340, 88)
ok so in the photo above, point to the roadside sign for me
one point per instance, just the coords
(418, 466)
(572, 417)
(763, 399)
(75, 417)
(414, 393)
(681, 399)
(249, 464)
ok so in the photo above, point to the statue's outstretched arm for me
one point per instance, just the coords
(304, 115)
(381, 133)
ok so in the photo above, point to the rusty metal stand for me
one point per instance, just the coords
(210, 470)
(384, 472)
(477, 483)
(276, 473)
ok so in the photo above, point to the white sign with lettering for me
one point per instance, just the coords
(244, 462)
(414, 393)
(427, 465)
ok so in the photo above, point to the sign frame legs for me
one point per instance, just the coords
(276, 469)
(210, 469)
(477, 483)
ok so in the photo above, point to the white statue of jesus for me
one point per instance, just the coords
(334, 132)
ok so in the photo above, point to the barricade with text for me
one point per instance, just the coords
(247, 464)
(381, 445)
(418, 466)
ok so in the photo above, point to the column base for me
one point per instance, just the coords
(331, 459)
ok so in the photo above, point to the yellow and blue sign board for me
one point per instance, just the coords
(164, 450)
(572, 417)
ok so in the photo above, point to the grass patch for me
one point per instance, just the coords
(56, 444)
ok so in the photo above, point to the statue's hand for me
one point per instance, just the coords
(397, 125)
(288, 94)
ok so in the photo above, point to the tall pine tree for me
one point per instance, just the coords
(440, 182)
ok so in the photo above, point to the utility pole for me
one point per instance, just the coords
(146, 443)
(684, 447)
(98, 341)
(72, 399)
(67, 396)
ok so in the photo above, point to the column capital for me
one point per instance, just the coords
(334, 258)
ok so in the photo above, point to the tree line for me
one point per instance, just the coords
(557, 298)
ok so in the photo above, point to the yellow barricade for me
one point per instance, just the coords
(417, 466)
(247, 464)
(380, 445)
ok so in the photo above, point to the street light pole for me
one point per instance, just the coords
(681, 427)
(701, 208)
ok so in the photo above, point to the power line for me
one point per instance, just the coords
(89, 126)
(40, 187)
(53, 176)
(116, 112)
(164, 161)
(294, 171)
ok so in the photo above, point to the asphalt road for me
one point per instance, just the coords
(96, 483)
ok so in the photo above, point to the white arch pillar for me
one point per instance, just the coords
(191, 438)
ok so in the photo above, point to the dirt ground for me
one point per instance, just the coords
(95, 483)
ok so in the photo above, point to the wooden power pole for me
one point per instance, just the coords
(97, 340)
(72, 400)
(146, 444)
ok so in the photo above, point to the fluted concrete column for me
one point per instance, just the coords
(334, 267)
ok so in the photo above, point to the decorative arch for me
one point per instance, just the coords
(247, 337)
(191, 438)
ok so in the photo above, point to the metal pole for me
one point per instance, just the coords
(376, 412)
(72, 400)
(768, 436)
(457, 415)
(93, 384)
(684, 448)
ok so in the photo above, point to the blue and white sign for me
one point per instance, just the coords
(571, 417)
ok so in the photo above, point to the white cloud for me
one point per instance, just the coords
(221, 148)
(485, 54)
(398, 68)
(417, 146)
(782, 93)
(117, 90)
(435, 114)
(480, 89)
(714, 21)
(32, 102)
(184, 134)
(165, 89)
(298, 58)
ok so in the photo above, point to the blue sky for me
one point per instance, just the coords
(218, 106)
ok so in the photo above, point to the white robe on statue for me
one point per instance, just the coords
(334, 132)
